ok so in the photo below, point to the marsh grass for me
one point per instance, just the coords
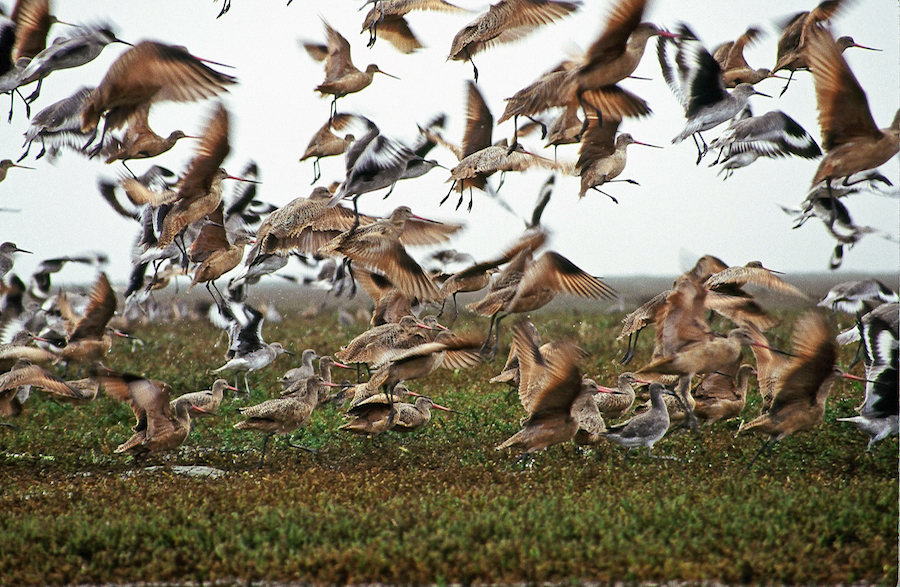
(439, 505)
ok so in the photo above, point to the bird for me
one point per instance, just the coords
(858, 297)
(802, 386)
(303, 372)
(730, 57)
(7, 250)
(448, 351)
(695, 78)
(341, 76)
(25, 373)
(7, 164)
(505, 21)
(282, 415)
(790, 55)
(614, 403)
(327, 144)
(374, 414)
(214, 253)
(645, 429)
(412, 417)
(387, 17)
(774, 134)
(59, 125)
(550, 386)
(371, 346)
(208, 400)
(139, 140)
(602, 156)
(90, 340)
(722, 396)
(247, 350)
(149, 72)
(879, 331)
(850, 138)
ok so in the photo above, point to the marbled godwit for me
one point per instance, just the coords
(858, 297)
(297, 380)
(412, 417)
(696, 81)
(341, 76)
(247, 350)
(735, 69)
(644, 429)
(477, 136)
(20, 348)
(90, 341)
(25, 33)
(448, 350)
(505, 21)
(791, 44)
(722, 397)
(729, 281)
(7, 250)
(214, 253)
(378, 245)
(208, 400)
(327, 144)
(375, 413)
(139, 141)
(150, 72)
(550, 386)
(546, 92)
(387, 17)
(8, 164)
(566, 129)
(59, 125)
(391, 304)
(615, 402)
(283, 415)
(851, 140)
(803, 384)
(25, 373)
(373, 345)
(586, 413)
(82, 46)
(774, 134)
(602, 156)
(880, 330)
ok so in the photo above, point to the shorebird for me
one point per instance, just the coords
(722, 396)
(59, 125)
(550, 388)
(791, 44)
(735, 69)
(602, 156)
(6, 165)
(695, 79)
(139, 140)
(303, 372)
(373, 345)
(412, 417)
(327, 144)
(90, 340)
(774, 134)
(448, 351)
(880, 330)
(83, 46)
(803, 384)
(214, 253)
(207, 400)
(147, 73)
(7, 250)
(615, 402)
(25, 373)
(283, 415)
(341, 76)
(391, 304)
(25, 32)
(374, 414)
(386, 17)
(247, 351)
(850, 138)
(858, 297)
(505, 21)
(644, 429)
(295, 379)
(378, 246)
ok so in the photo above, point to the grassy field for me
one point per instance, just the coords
(441, 505)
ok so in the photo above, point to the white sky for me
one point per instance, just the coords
(679, 212)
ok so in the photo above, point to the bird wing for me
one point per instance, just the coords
(39, 377)
(338, 61)
(554, 270)
(644, 315)
(815, 353)
(742, 275)
(210, 154)
(479, 122)
(100, 310)
(418, 232)
(395, 30)
(844, 113)
(598, 141)
(33, 22)
(625, 16)
(212, 237)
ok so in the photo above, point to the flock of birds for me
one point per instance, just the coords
(186, 225)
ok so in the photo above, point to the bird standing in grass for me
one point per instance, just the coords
(645, 429)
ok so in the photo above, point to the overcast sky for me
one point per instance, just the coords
(678, 212)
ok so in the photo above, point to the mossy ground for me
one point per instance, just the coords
(440, 505)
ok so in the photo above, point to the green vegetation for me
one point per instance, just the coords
(440, 505)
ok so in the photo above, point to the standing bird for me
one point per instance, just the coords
(722, 396)
(387, 17)
(851, 140)
(803, 384)
(283, 415)
(7, 250)
(341, 76)
(412, 417)
(615, 403)
(550, 386)
(505, 21)
(645, 429)
(147, 73)
(774, 134)
(696, 80)
(602, 156)
(207, 400)
(878, 416)
(8, 164)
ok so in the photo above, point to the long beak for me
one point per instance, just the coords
(199, 409)
(342, 366)
(423, 325)
(330, 384)
(647, 145)
(667, 34)
(444, 408)
(231, 387)
(214, 62)
(773, 349)
(21, 166)
(777, 76)
(642, 381)
(761, 94)
(123, 42)
(864, 47)
(387, 74)
(603, 389)
(18, 250)
(241, 179)
(855, 377)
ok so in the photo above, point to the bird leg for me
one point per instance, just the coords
(469, 208)
(684, 388)
(515, 141)
(487, 341)
(95, 151)
(760, 451)
(502, 179)
(700, 152)
(629, 350)
(373, 29)
(784, 89)
(246, 383)
(631, 181)
(226, 6)
(453, 185)
(333, 109)
(393, 185)
(540, 124)
(262, 458)
(474, 69)
(317, 171)
(37, 91)
(287, 440)
(526, 459)
(125, 165)
(605, 194)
